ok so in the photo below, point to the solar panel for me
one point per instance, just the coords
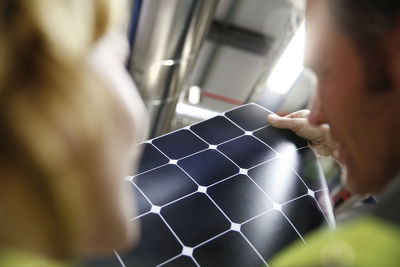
(228, 191)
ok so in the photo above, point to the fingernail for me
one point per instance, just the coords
(272, 117)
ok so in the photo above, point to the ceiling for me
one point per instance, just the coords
(230, 72)
(243, 44)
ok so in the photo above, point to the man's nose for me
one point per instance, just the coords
(316, 115)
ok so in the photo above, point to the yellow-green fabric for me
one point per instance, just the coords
(363, 242)
(16, 258)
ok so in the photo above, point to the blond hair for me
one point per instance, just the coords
(54, 118)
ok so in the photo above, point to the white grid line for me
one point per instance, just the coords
(179, 199)
(255, 250)
(140, 216)
(169, 260)
(172, 231)
(331, 224)
(140, 190)
(119, 258)
(211, 239)
(223, 180)
(149, 142)
(294, 199)
(262, 190)
(257, 216)
(284, 215)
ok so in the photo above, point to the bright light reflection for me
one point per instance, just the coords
(285, 181)
(290, 65)
(168, 62)
(287, 152)
(195, 112)
(194, 95)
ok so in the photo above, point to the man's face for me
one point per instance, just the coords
(363, 123)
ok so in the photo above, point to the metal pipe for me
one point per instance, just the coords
(168, 40)
(211, 60)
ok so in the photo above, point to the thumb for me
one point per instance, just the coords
(294, 124)
(300, 126)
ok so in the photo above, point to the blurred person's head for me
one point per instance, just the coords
(354, 49)
(69, 124)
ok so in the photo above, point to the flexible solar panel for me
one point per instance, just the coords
(228, 191)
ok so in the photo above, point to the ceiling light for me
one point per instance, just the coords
(290, 65)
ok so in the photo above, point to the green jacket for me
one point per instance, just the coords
(367, 241)
(370, 237)
(17, 258)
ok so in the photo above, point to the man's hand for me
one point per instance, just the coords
(318, 136)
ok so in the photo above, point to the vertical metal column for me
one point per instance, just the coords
(167, 43)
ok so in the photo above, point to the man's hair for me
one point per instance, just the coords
(368, 23)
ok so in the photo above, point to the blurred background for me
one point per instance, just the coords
(192, 59)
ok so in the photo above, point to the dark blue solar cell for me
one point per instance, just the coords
(156, 245)
(142, 204)
(230, 249)
(201, 217)
(217, 130)
(269, 233)
(179, 144)
(278, 180)
(182, 261)
(282, 140)
(151, 158)
(208, 167)
(247, 151)
(311, 216)
(165, 184)
(307, 167)
(325, 203)
(249, 117)
(195, 219)
(105, 261)
(239, 198)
